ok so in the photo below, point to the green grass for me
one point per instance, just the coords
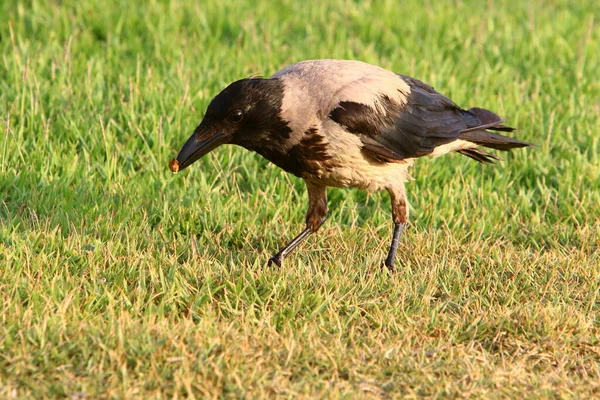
(121, 280)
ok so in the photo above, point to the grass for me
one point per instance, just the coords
(121, 280)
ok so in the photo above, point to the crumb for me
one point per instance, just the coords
(174, 165)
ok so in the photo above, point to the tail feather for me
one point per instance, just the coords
(482, 136)
(479, 155)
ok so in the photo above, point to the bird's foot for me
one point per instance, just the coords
(393, 265)
(388, 265)
(276, 260)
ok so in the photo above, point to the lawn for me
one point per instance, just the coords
(119, 279)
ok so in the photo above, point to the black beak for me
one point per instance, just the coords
(198, 145)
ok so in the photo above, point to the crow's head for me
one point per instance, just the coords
(244, 113)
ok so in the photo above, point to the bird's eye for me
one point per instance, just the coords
(236, 116)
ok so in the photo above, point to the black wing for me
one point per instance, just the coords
(426, 121)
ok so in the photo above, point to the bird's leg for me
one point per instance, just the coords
(315, 217)
(399, 216)
(277, 259)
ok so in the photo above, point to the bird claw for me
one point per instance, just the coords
(276, 260)
(389, 266)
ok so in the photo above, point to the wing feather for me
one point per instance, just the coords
(395, 131)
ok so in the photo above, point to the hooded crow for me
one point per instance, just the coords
(344, 124)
